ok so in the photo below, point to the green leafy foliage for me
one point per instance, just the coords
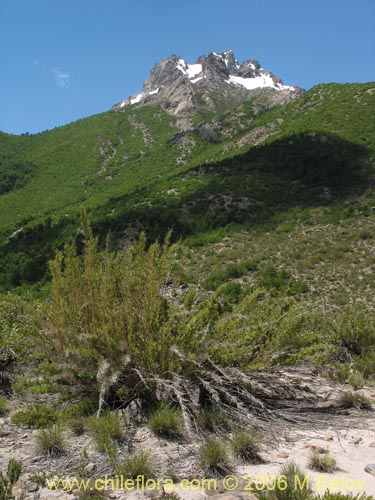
(37, 416)
(17, 328)
(344, 496)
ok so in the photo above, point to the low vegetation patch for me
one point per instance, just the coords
(322, 462)
(356, 400)
(214, 457)
(51, 441)
(292, 487)
(14, 470)
(167, 422)
(245, 445)
(7, 480)
(138, 464)
(77, 425)
(107, 430)
(3, 405)
(37, 416)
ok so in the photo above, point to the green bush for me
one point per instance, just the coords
(113, 302)
(297, 287)
(356, 380)
(167, 422)
(275, 279)
(355, 330)
(322, 462)
(231, 271)
(245, 445)
(14, 470)
(37, 416)
(355, 400)
(139, 464)
(107, 429)
(7, 481)
(5, 488)
(17, 327)
(214, 457)
(78, 425)
(3, 405)
(85, 407)
(51, 441)
(293, 488)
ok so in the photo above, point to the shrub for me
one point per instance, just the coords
(109, 315)
(3, 405)
(7, 481)
(322, 462)
(42, 387)
(356, 380)
(297, 287)
(112, 303)
(246, 446)
(139, 464)
(105, 430)
(294, 487)
(77, 425)
(5, 488)
(355, 330)
(37, 416)
(355, 400)
(167, 421)
(49, 369)
(275, 279)
(17, 329)
(83, 408)
(214, 457)
(14, 470)
(51, 441)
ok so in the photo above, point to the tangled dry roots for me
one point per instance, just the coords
(245, 399)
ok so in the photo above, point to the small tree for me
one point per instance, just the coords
(108, 315)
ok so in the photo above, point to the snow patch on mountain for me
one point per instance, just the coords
(189, 70)
(257, 82)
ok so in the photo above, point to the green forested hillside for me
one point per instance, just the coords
(136, 169)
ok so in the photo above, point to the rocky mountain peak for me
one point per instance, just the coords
(214, 81)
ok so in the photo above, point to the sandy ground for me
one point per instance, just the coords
(350, 448)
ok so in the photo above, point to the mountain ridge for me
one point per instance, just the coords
(213, 82)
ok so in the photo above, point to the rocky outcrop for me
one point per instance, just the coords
(214, 82)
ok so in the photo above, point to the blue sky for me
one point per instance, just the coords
(61, 60)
